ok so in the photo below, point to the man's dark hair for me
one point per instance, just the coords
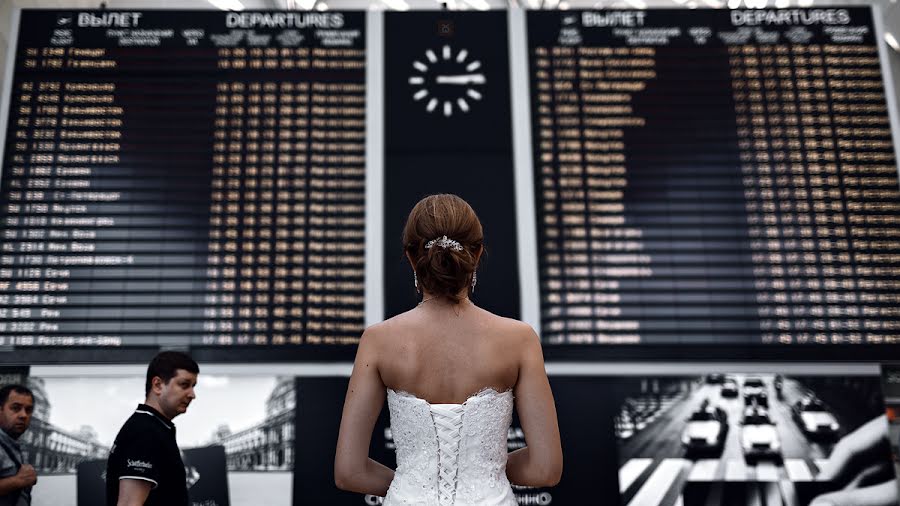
(19, 389)
(166, 364)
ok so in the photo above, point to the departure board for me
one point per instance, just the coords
(713, 177)
(189, 178)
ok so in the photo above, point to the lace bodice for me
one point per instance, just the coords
(451, 454)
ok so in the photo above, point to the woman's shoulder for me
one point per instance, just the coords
(509, 328)
(391, 326)
(504, 322)
(392, 329)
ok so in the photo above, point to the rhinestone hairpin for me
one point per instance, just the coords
(444, 243)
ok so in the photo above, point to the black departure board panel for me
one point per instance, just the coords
(448, 129)
(189, 178)
(713, 177)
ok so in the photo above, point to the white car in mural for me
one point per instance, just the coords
(705, 431)
(755, 392)
(729, 388)
(815, 419)
(759, 438)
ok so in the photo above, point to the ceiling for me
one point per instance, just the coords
(889, 5)
(890, 9)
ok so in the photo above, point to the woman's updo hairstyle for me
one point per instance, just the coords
(444, 272)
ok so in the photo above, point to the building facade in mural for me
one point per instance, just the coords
(52, 450)
(268, 445)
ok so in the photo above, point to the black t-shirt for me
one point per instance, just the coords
(145, 449)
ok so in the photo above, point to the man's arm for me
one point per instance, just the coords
(133, 492)
(136, 461)
(26, 477)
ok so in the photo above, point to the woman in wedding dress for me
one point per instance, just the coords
(452, 373)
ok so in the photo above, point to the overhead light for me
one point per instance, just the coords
(692, 4)
(227, 5)
(734, 4)
(481, 5)
(804, 3)
(321, 6)
(892, 41)
(781, 4)
(563, 5)
(637, 4)
(551, 4)
(299, 5)
(397, 5)
(716, 4)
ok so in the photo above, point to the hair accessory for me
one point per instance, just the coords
(444, 243)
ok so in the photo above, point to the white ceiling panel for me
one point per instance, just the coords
(890, 8)
(430, 4)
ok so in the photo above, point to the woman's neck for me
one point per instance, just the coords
(441, 300)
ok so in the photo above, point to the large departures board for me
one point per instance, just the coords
(652, 182)
(713, 177)
(189, 178)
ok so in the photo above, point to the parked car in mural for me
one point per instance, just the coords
(815, 419)
(729, 388)
(705, 430)
(715, 379)
(755, 391)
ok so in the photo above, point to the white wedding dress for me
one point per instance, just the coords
(451, 454)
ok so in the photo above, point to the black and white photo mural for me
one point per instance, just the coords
(890, 377)
(753, 439)
(236, 437)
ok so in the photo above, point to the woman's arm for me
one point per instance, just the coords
(540, 463)
(353, 469)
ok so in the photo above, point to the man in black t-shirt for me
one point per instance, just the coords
(144, 465)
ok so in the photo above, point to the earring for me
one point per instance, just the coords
(474, 280)
(416, 281)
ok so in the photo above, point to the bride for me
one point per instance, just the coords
(451, 373)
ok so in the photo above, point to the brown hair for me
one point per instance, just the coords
(444, 272)
(166, 365)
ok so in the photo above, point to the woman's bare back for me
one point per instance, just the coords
(444, 351)
(446, 354)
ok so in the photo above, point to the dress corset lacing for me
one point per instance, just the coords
(451, 454)
(448, 422)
